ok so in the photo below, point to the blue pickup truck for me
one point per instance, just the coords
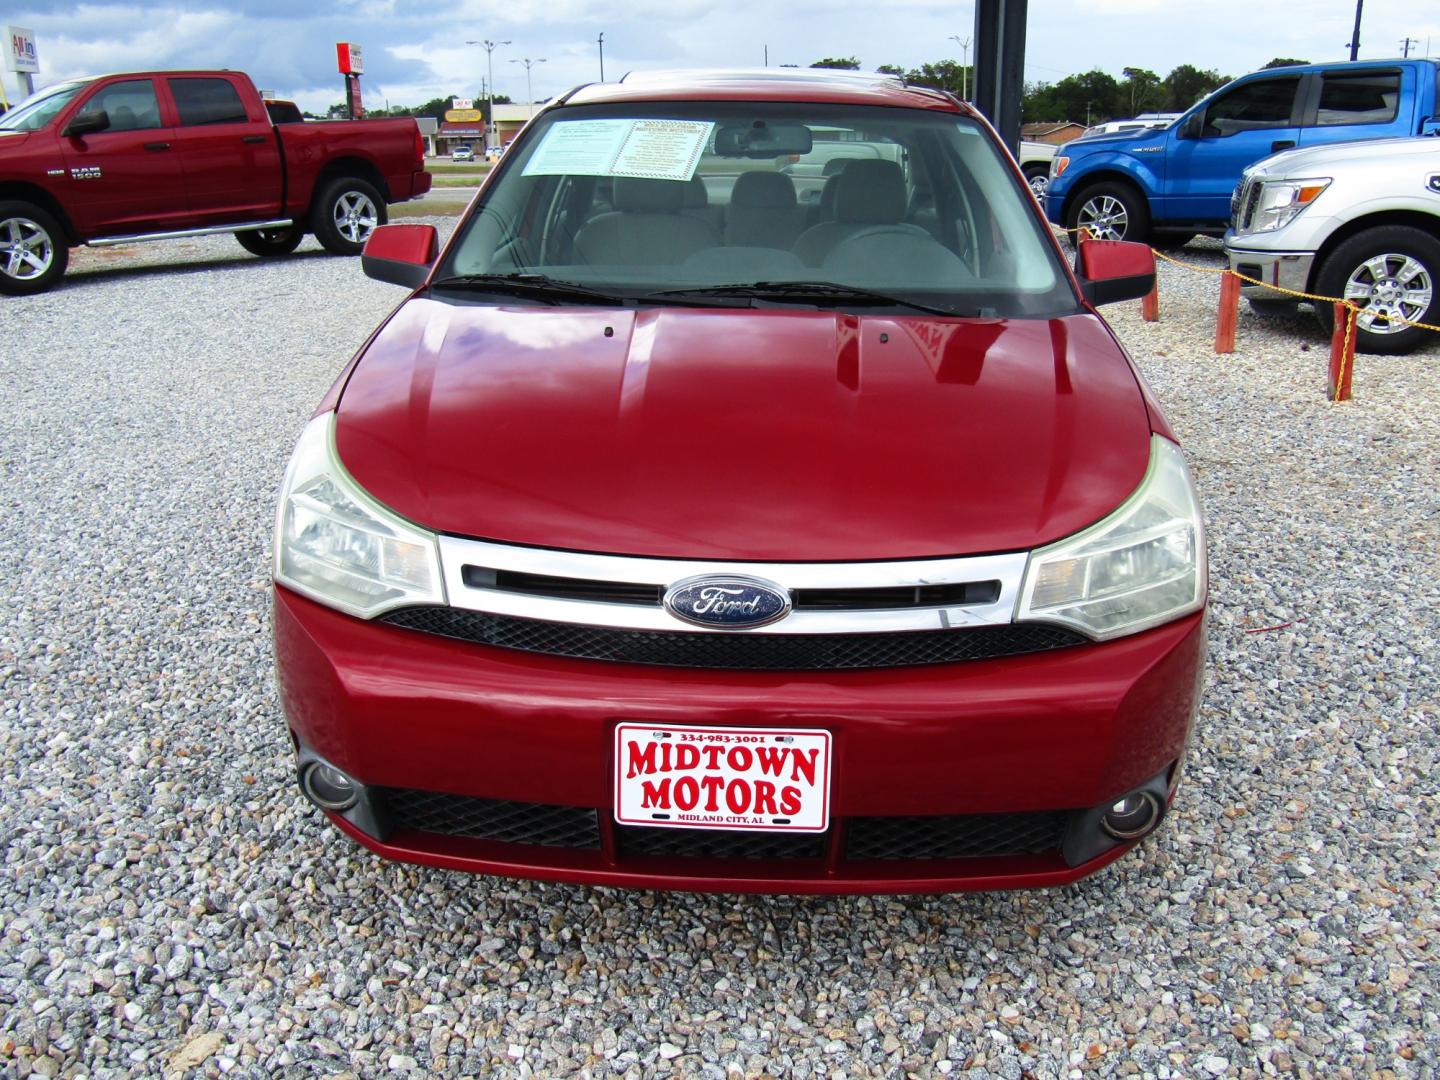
(1170, 184)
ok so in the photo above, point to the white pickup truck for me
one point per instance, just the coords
(1358, 220)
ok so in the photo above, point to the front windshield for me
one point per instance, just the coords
(39, 109)
(641, 200)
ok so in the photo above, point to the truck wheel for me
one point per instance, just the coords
(1110, 210)
(33, 253)
(346, 213)
(271, 242)
(1390, 272)
(1038, 177)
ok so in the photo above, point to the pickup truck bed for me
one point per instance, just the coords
(155, 155)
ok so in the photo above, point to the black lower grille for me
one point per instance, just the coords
(955, 836)
(714, 844)
(493, 819)
(772, 652)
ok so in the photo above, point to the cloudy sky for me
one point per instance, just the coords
(418, 51)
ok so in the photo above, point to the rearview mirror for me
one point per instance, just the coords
(1191, 127)
(1114, 270)
(401, 254)
(88, 122)
(762, 140)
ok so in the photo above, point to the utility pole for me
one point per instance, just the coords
(767, 55)
(529, 89)
(1355, 37)
(601, 42)
(1405, 45)
(489, 47)
(964, 44)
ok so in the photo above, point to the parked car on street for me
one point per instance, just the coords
(155, 155)
(1177, 182)
(637, 549)
(463, 153)
(1355, 220)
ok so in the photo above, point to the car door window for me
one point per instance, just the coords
(207, 101)
(1265, 103)
(131, 105)
(1362, 97)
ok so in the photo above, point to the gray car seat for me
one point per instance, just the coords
(763, 211)
(647, 227)
(867, 192)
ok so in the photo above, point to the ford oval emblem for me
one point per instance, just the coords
(727, 603)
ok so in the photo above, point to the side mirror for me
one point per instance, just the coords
(1430, 125)
(1114, 270)
(401, 254)
(88, 122)
(1191, 126)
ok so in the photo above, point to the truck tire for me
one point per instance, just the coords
(271, 242)
(33, 252)
(1111, 210)
(346, 212)
(1038, 177)
(1390, 270)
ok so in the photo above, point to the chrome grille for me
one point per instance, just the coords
(1243, 204)
(622, 592)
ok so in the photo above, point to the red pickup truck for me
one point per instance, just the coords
(156, 155)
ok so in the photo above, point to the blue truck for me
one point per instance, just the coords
(1171, 184)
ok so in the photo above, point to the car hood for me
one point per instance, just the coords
(724, 434)
(1116, 140)
(1369, 154)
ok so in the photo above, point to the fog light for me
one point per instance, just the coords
(329, 788)
(1131, 817)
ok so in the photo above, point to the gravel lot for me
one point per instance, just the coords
(170, 905)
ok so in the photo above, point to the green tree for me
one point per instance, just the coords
(1187, 84)
(1283, 61)
(844, 63)
(1143, 87)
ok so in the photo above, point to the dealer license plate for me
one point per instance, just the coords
(722, 778)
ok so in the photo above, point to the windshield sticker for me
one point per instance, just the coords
(649, 149)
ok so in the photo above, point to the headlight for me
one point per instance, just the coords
(1141, 566)
(337, 545)
(1282, 201)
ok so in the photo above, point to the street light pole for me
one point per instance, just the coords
(964, 44)
(489, 47)
(601, 42)
(529, 90)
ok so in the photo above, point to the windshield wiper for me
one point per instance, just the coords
(538, 286)
(559, 291)
(812, 292)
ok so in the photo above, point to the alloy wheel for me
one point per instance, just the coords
(26, 250)
(1388, 288)
(1104, 217)
(356, 216)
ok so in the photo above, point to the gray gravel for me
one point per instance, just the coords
(169, 905)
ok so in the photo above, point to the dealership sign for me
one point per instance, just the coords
(350, 58)
(21, 54)
(462, 103)
(464, 116)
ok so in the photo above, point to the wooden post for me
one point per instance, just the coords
(1342, 352)
(1150, 305)
(1229, 313)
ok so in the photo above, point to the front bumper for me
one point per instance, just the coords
(1285, 269)
(1009, 743)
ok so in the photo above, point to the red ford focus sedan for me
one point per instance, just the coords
(748, 498)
